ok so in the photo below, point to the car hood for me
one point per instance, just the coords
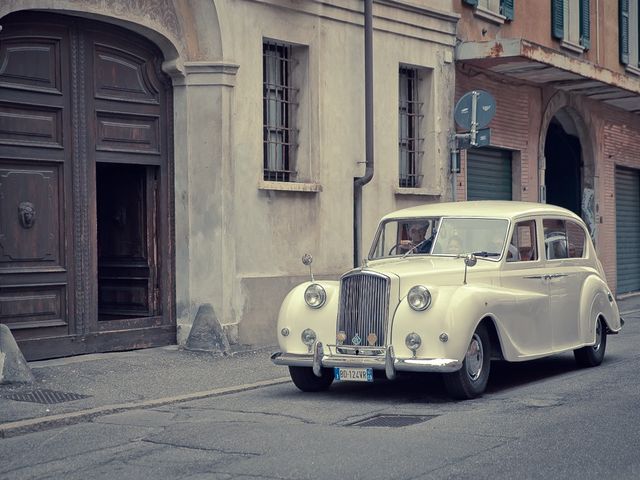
(433, 270)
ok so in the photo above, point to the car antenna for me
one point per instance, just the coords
(307, 260)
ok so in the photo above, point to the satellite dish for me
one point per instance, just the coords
(485, 109)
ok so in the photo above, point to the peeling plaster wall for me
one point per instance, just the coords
(238, 244)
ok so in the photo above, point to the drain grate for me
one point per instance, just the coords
(48, 397)
(392, 421)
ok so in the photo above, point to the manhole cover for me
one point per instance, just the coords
(48, 397)
(392, 421)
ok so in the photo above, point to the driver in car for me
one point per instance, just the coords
(417, 241)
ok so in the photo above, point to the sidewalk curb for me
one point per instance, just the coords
(21, 427)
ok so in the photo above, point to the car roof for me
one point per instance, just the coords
(482, 208)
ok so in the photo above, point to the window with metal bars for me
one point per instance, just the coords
(278, 100)
(410, 143)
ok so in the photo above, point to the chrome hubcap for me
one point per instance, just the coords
(474, 358)
(596, 346)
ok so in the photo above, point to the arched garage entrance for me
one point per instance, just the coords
(563, 156)
(85, 182)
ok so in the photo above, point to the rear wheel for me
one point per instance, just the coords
(471, 380)
(305, 379)
(592, 355)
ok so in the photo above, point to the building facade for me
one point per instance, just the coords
(565, 76)
(160, 155)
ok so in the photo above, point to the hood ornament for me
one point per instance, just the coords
(307, 260)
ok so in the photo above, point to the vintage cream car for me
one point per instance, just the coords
(447, 288)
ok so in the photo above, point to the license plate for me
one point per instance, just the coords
(353, 374)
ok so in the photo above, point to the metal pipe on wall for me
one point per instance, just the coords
(359, 182)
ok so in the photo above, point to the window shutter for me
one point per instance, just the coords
(557, 18)
(585, 24)
(623, 32)
(507, 9)
(471, 2)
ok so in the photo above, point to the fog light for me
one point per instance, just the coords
(413, 342)
(444, 338)
(308, 337)
(285, 332)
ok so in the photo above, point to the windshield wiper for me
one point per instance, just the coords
(486, 254)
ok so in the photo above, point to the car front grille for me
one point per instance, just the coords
(364, 308)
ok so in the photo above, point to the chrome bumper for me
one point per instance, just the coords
(387, 362)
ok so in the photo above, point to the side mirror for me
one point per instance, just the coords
(470, 260)
(307, 260)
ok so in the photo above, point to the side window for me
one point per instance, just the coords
(522, 247)
(575, 240)
(555, 239)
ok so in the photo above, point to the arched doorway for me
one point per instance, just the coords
(563, 155)
(85, 129)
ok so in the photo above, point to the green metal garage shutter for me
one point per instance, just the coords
(628, 229)
(489, 174)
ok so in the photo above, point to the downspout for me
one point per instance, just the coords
(359, 182)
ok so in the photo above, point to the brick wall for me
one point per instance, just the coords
(516, 127)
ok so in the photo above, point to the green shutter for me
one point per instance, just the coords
(507, 8)
(623, 30)
(489, 174)
(585, 24)
(627, 186)
(557, 18)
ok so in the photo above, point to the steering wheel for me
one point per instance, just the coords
(395, 247)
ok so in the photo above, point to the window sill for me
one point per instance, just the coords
(421, 192)
(489, 15)
(632, 70)
(290, 186)
(571, 46)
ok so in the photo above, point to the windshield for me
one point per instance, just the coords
(399, 237)
(482, 236)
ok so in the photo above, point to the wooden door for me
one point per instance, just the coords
(36, 270)
(85, 220)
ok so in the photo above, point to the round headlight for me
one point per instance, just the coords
(413, 341)
(315, 296)
(308, 337)
(419, 298)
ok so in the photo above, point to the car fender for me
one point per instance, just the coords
(455, 311)
(296, 316)
(596, 300)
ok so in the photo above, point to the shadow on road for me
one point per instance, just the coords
(429, 388)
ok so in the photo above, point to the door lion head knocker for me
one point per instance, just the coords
(27, 214)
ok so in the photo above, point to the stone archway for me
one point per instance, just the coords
(566, 159)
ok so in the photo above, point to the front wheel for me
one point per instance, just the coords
(305, 379)
(471, 380)
(592, 355)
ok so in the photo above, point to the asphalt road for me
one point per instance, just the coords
(543, 419)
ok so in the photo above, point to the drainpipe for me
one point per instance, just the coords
(359, 182)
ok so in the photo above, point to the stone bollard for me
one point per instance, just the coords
(207, 335)
(13, 366)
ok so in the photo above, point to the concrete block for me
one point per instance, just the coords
(207, 334)
(13, 366)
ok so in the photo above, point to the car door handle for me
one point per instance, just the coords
(557, 275)
(541, 277)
